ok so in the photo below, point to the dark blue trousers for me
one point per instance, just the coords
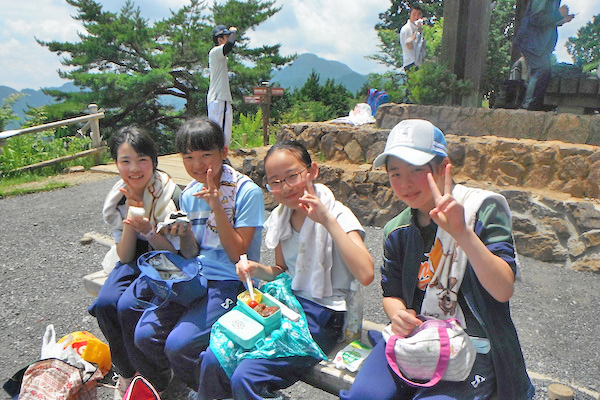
(260, 378)
(540, 74)
(104, 308)
(376, 380)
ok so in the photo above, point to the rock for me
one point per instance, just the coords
(590, 263)
(355, 152)
(576, 247)
(591, 238)
(540, 247)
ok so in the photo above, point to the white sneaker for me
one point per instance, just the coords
(121, 387)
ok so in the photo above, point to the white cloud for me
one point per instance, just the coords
(341, 30)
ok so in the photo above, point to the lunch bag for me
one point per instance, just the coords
(436, 350)
(172, 277)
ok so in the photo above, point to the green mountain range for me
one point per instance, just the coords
(290, 77)
(295, 74)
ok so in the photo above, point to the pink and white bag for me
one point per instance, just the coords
(437, 350)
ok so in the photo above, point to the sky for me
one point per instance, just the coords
(341, 30)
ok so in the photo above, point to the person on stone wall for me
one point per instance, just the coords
(218, 98)
(536, 39)
(412, 39)
(449, 255)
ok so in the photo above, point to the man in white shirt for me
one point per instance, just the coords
(218, 99)
(412, 39)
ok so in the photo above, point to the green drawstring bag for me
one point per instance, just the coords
(290, 339)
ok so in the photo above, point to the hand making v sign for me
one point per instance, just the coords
(311, 205)
(210, 192)
(448, 213)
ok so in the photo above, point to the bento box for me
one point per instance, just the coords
(242, 329)
(270, 322)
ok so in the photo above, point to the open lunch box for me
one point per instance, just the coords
(247, 326)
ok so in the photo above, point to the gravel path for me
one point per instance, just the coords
(42, 263)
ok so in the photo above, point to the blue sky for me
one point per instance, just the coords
(339, 30)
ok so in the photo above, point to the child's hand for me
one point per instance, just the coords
(404, 322)
(132, 199)
(311, 205)
(448, 213)
(244, 271)
(209, 192)
(179, 228)
(140, 224)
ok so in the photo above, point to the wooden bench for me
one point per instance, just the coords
(324, 375)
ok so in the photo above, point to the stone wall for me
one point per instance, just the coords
(517, 124)
(552, 187)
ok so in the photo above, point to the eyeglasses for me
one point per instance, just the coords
(291, 180)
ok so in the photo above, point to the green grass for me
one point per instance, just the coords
(26, 184)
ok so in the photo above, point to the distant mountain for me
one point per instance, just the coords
(295, 74)
(32, 99)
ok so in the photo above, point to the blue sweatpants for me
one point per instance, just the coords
(376, 380)
(104, 308)
(190, 335)
(260, 378)
(139, 311)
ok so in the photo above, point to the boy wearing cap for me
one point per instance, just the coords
(449, 254)
(218, 98)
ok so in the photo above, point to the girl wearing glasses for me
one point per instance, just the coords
(319, 242)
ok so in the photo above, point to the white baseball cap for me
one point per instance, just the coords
(415, 141)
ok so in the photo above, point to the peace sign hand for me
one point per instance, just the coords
(311, 205)
(132, 199)
(448, 213)
(210, 192)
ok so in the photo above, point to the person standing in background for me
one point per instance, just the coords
(412, 39)
(218, 99)
(536, 39)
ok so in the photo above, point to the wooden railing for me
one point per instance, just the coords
(91, 123)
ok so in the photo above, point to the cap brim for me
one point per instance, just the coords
(408, 154)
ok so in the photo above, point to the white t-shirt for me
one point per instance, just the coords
(409, 55)
(219, 79)
(341, 277)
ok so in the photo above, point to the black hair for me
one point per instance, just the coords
(137, 138)
(417, 7)
(216, 39)
(199, 134)
(296, 148)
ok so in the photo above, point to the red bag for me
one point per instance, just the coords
(141, 389)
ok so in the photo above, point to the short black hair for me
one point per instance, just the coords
(417, 7)
(137, 138)
(199, 134)
(294, 147)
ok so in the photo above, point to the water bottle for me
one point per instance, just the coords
(354, 312)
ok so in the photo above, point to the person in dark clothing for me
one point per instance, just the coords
(536, 39)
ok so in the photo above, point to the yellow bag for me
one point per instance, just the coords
(90, 348)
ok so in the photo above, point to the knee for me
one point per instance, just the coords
(177, 345)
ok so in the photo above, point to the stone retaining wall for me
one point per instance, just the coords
(517, 124)
(552, 187)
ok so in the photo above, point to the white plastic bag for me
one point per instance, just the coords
(110, 259)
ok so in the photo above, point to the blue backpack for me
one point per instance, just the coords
(375, 98)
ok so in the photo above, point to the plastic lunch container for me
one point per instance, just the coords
(271, 322)
(242, 329)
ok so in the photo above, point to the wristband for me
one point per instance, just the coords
(150, 234)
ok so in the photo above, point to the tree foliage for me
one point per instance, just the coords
(6, 112)
(134, 68)
(585, 46)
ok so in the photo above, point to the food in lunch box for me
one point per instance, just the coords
(245, 296)
(264, 310)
